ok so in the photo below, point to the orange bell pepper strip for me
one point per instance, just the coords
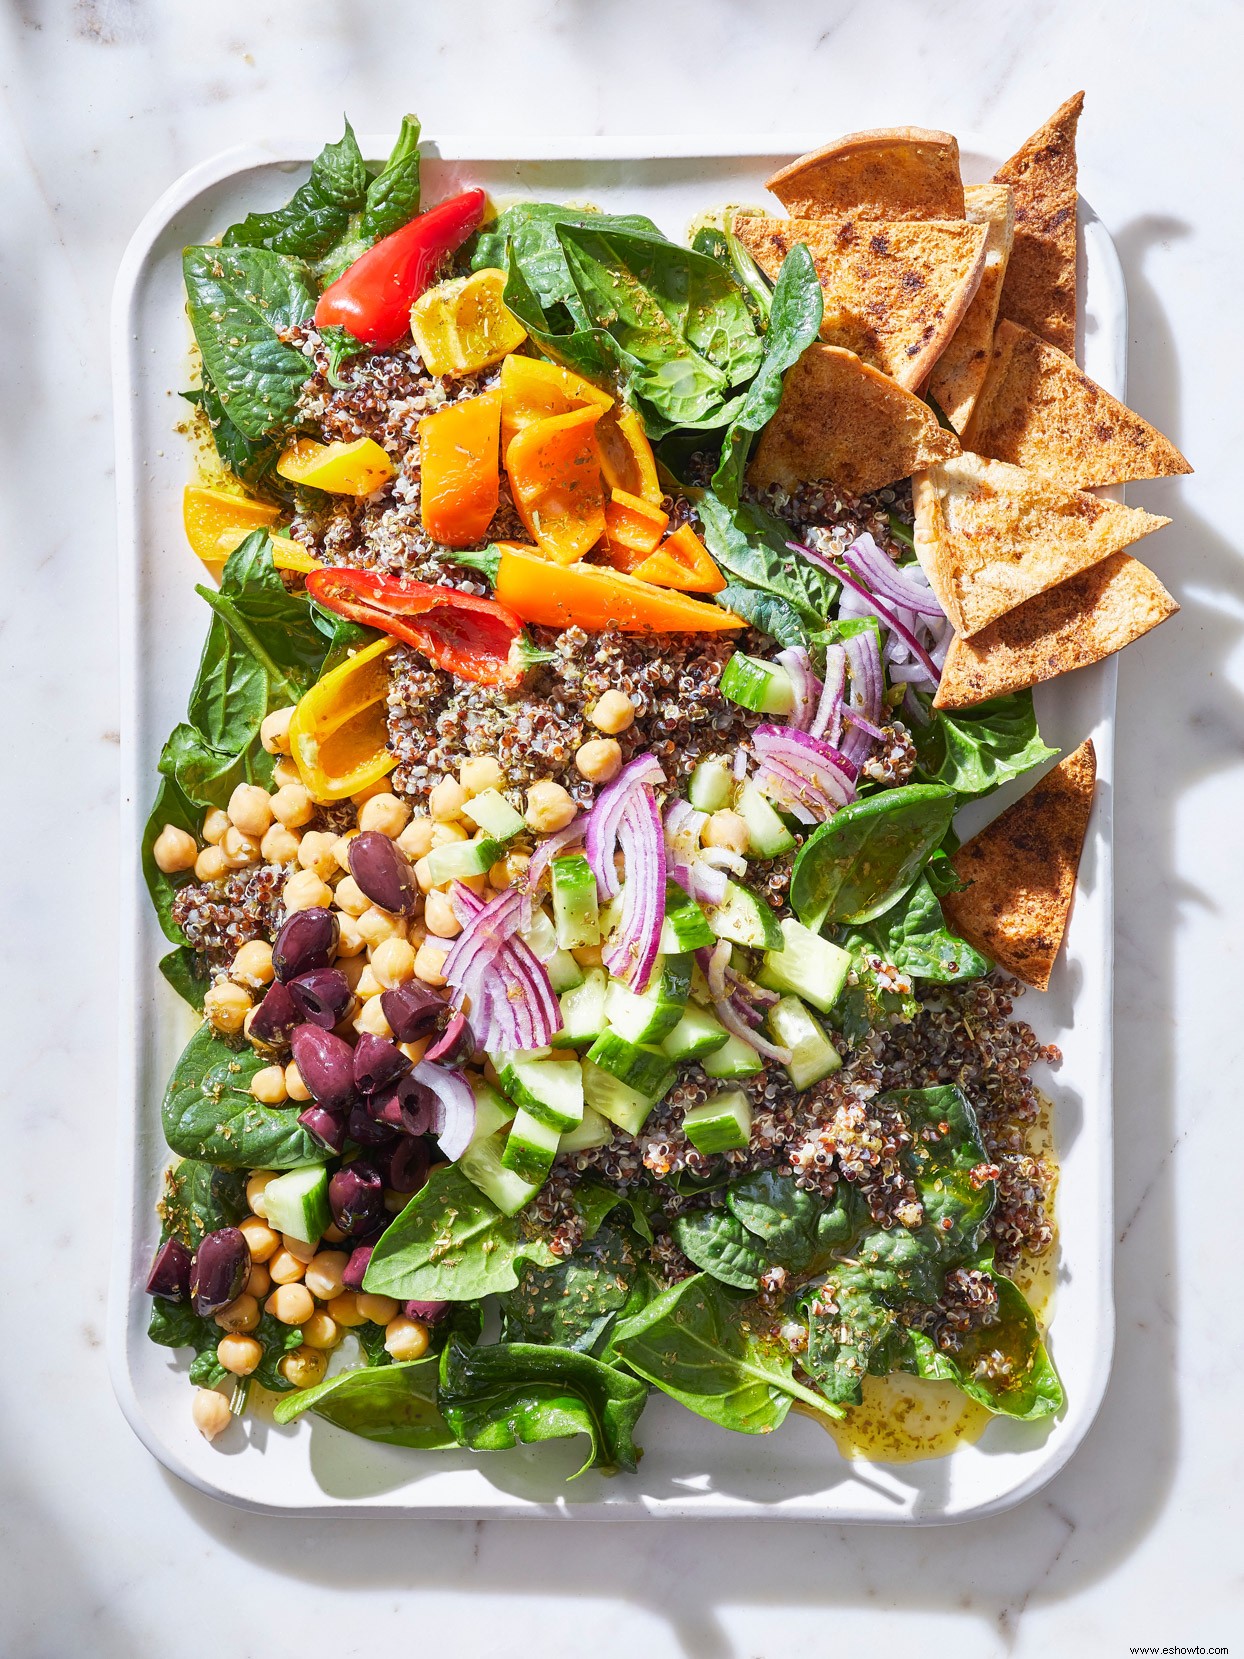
(288, 554)
(533, 390)
(682, 561)
(460, 470)
(626, 456)
(338, 734)
(633, 528)
(218, 522)
(592, 597)
(554, 472)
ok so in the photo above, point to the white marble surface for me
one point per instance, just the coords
(104, 103)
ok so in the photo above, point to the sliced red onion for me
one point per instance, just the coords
(543, 854)
(453, 1121)
(914, 710)
(867, 692)
(884, 613)
(827, 721)
(878, 570)
(798, 664)
(683, 824)
(604, 823)
(734, 1022)
(806, 775)
(631, 952)
(512, 1002)
(699, 880)
(752, 991)
(721, 858)
(738, 765)
(715, 963)
(863, 725)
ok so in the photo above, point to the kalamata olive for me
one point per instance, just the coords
(405, 1168)
(454, 1045)
(352, 1274)
(384, 872)
(356, 1197)
(307, 940)
(363, 1128)
(274, 1019)
(406, 1106)
(412, 1010)
(323, 995)
(218, 1270)
(328, 1128)
(326, 1065)
(428, 1311)
(170, 1271)
(377, 1062)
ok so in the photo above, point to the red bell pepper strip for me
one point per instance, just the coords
(373, 297)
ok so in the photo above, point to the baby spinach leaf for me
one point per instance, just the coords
(276, 1340)
(750, 545)
(576, 1302)
(180, 968)
(719, 1243)
(199, 1198)
(238, 298)
(253, 462)
(393, 1404)
(720, 243)
(795, 1226)
(209, 1112)
(693, 1343)
(866, 857)
(1003, 1366)
(773, 616)
(317, 214)
(177, 1325)
(518, 1393)
(975, 750)
(171, 806)
(205, 775)
(913, 936)
(848, 1323)
(526, 236)
(450, 1244)
(393, 195)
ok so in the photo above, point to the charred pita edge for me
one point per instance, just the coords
(960, 371)
(1040, 286)
(886, 173)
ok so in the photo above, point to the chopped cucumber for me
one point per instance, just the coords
(482, 1165)
(734, 1058)
(812, 967)
(575, 909)
(648, 1018)
(609, 1096)
(722, 1124)
(745, 919)
(563, 971)
(763, 687)
(767, 835)
(492, 1110)
(697, 1033)
(583, 1011)
(712, 784)
(457, 860)
(593, 1131)
(530, 1148)
(812, 1055)
(490, 811)
(299, 1203)
(610, 915)
(646, 1070)
(541, 936)
(549, 1089)
(686, 926)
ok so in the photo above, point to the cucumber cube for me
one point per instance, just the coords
(575, 910)
(563, 971)
(583, 1011)
(734, 1058)
(299, 1203)
(812, 1055)
(767, 835)
(490, 811)
(810, 966)
(648, 1018)
(492, 1110)
(745, 919)
(530, 1149)
(686, 926)
(457, 860)
(481, 1164)
(644, 1069)
(549, 1090)
(712, 784)
(697, 1033)
(722, 1124)
(541, 936)
(612, 1099)
(753, 683)
(593, 1131)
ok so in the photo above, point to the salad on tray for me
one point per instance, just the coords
(602, 635)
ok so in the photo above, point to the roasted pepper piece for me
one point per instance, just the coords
(626, 456)
(682, 561)
(217, 522)
(533, 390)
(338, 734)
(633, 528)
(464, 325)
(288, 554)
(460, 469)
(554, 471)
(341, 469)
(591, 596)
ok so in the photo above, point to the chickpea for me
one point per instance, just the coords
(295, 1088)
(256, 1186)
(226, 1005)
(291, 1304)
(344, 1310)
(239, 1354)
(316, 853)
(587, 956)
(210, 865)
(415, 1052)
(239, 849)
(599, 759)
(332, 1234)
(250, 809)
(299, 1248)
(305, 891)
(393, 962)
(242, 1314)
(446, 800)
(499, 876)
(423, 875)
(258, 1282)
(395, 1202)
(367, 985)
(285, 771)
(210, 1412)
(387, 814)
(429, 961)
(406, 1338)
(726, 829)
(516, 865)
(268, 1086)
(252, 965)
(377, 925)
(215, 824)
(341, 850)
(274, 731)
(261, 1240)
(481, 773)
(370, 1018)
(323, 1275)
(439, 918)
(279, 846)
(175, 849)
(349, 940)
(613, 713)
(292, 806)
(416, 839)
(303, 1368)
(353, 967)
(321, 1331)
(444, 834)
(549, 806)
(379, 1309)
(286, 1269)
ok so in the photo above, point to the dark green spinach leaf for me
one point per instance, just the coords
(750, 546)
(975, 750)
(199, 1198)
(848, 1324)
(393, 1404)
(181, 969)
(171, 806)
(318, 213)
(913, 936)
(1004, 1366)
(869, 854)
(773, 616)
(210, 1113)
(718, 1242)
(575, 1303)
(796, 1227)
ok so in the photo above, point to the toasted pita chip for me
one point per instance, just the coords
(960, 371)
(990, 536)
(1040, 286)
(891, 173)
(894, 292)
(1021, 871)
(1038, 410)
(1079, 622)
(842, 420)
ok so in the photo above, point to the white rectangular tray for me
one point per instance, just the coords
(689, 1467)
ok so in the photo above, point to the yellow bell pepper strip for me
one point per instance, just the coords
(682, 561)
(533, 390)
(554, 470)
(460, 470)
(338, 733)
(626, 456)
(633, 528)
(588, 596)
(341, 469)
(288, 554)
(463, 326)
(476, 639)
(217, 522)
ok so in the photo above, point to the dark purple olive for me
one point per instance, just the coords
(406, 1106)
(377, 1062)
(328, 1128)
(428, 1311)
(384, 872)
(219, 1270)
(454, 1045)
(323, 995)
(405, 1167)
(274, 1019)
(412, 1010)
(307, 940)
(352, 1273)
(326, 1065)
(170, 1271)
(356, 1197)
(363, 1128)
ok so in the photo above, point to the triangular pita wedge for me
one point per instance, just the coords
(960, 371)
(894, 292)
(1040, 286)
(990, 536)
(842, 420)
(1079, 622)
(1021, 871)
(1039, 410)
(891, 173)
